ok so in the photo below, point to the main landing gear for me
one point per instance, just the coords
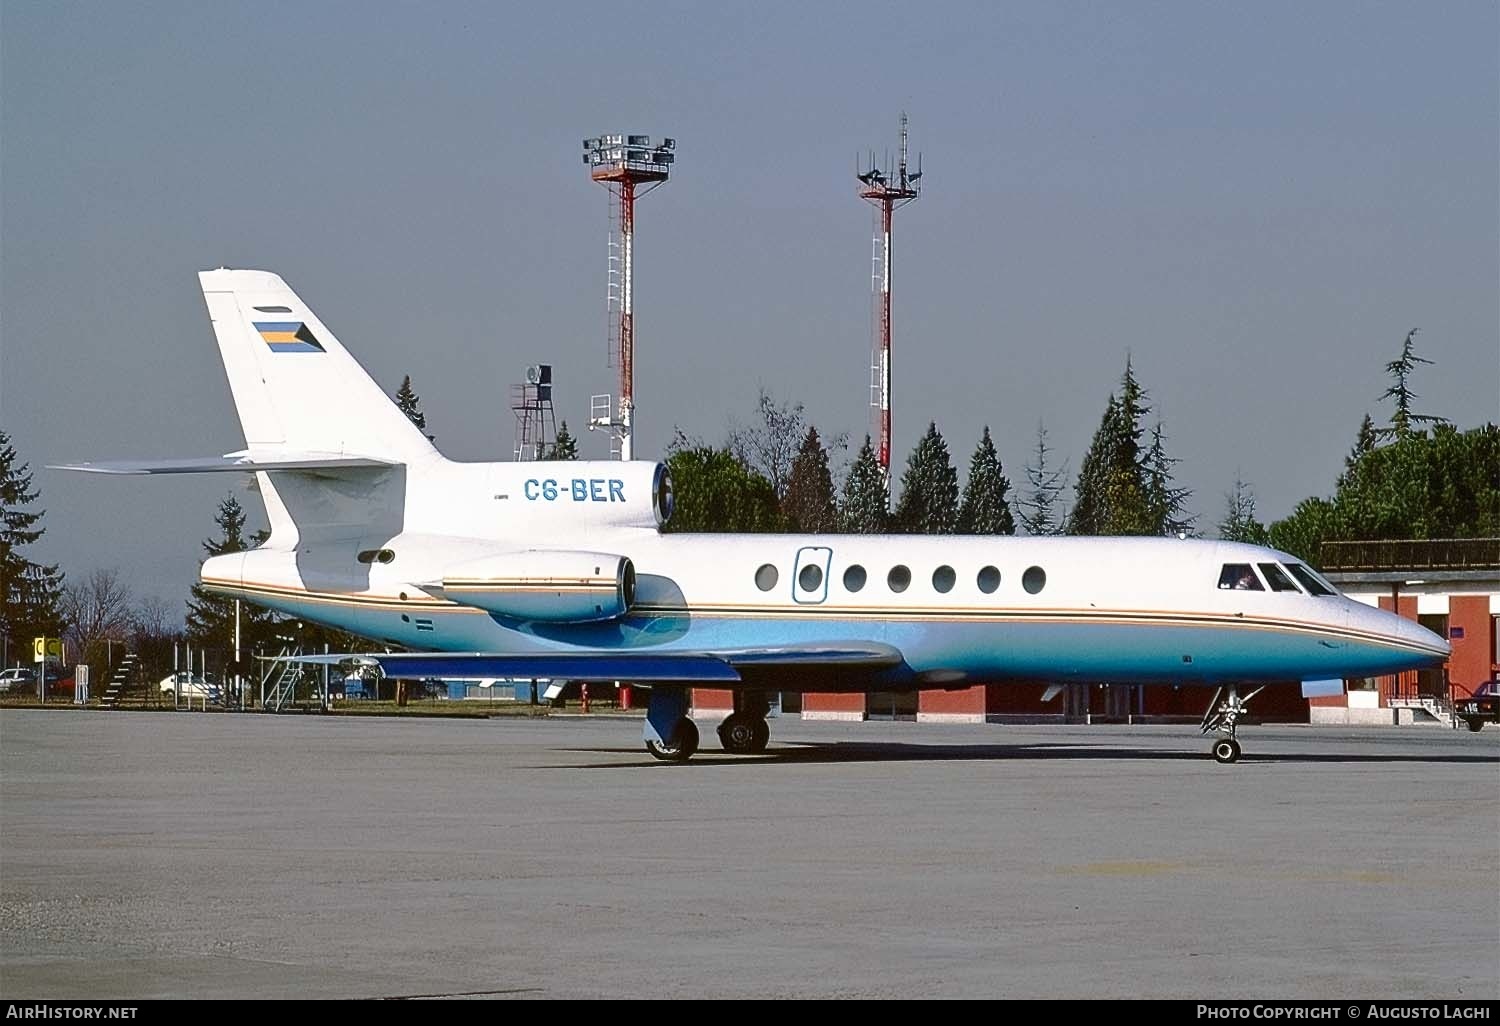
(744, 731)
(1221, 717)
(671, 737)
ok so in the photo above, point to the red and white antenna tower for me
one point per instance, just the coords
(623, 162)
(886, 191)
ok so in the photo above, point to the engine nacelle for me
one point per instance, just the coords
(551, 586)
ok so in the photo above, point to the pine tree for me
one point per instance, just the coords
(929, 488)
(30, 593)
(1089, 507)
(1239, 523)
(210, 617)
(1401, 370)
(1165, 502)
(565, 447)
(866, 502)
(409, 403)
(1039, 512)
(1111, 493)
(985, 509)
(809, 503)
(1364, 442)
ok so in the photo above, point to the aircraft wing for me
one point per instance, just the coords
(245, 462)
(674, 668)
(719, 668)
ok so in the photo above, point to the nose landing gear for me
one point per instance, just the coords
(1223, 712)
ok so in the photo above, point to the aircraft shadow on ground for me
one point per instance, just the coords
(898, 751)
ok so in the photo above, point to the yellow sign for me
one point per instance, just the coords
(43, 649)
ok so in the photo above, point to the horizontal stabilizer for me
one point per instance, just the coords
(666, 668)
(244, 462)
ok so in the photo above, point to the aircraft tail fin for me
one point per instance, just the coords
(295, 387)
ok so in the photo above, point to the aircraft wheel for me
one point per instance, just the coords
(683, 744)
(762, 736)
(1226, 750)
(737, 734)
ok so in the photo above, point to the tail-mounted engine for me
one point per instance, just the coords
(551, 586)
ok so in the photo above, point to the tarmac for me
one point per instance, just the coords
(173, 855)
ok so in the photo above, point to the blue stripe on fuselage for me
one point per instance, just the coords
(995, 650)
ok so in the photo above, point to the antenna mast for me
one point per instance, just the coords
(886, 191)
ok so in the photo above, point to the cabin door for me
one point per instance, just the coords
(810, 576)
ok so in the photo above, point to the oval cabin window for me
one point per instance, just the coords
(989, 579)
(1034, 579)
(811, 577)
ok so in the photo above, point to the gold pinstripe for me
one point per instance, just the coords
(962, 614)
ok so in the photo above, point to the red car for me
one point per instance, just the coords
(1483, 706)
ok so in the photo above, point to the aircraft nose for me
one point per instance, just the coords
(1415, 638)
(1423, 641)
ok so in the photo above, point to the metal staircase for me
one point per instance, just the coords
(1439, 707)
(125, 672)
(282, 676)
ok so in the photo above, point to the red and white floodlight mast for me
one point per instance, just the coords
(623, 162)
(886, 191)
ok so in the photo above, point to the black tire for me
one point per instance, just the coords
(681, 747)
(1226, 750)
(737, 734)
(762, 736)
(1476, 724)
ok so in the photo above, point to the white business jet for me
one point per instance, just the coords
(560, 570)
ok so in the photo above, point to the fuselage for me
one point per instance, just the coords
(959, 608)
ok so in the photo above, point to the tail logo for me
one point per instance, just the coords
(288, 337)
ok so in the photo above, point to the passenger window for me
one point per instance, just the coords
(854, 578)
(1239, 577)
(899, 578)
(1309, 580)
(766, 577)
(989, 580)
(943, 579)
(811, 577)
(1034, 579)
(1276, 577)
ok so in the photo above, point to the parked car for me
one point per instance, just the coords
(190, 685)
(17, 679)
(21, 680)
(1483, 706)
(351, 687)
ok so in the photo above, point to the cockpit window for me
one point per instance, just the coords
(1239, 577)
(1276, 577)
(1310, 580)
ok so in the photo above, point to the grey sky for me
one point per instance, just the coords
(1256, 200)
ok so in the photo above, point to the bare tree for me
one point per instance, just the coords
(770, 447)
(155, 629)
(97, 610)
(155, 617)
